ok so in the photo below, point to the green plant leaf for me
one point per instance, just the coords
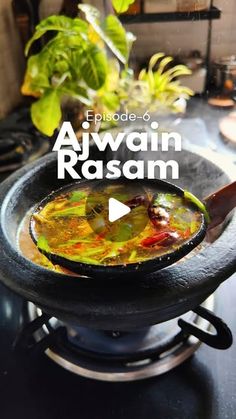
(164, 62)
(178, 70)
(72, 89)
(116, 37)
(110, 101)
(36, 77)
(59, 24)
(111, 31)
(113, 75)
(121, 6)
(161, 91)
(94, 67)
(153, 60)
(46, 112)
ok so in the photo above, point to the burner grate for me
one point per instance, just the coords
(118, 356)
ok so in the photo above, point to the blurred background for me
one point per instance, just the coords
(198, 33)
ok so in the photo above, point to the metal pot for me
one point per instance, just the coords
(225, 73)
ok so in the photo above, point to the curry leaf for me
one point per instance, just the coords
(94, 68)
(76, 196)
(121, 6)
(46, 112)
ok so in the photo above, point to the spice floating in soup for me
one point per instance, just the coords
(63, 227)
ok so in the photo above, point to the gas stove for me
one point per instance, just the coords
(114, 355)
(32, 385)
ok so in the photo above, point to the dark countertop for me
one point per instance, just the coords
(199, 108)
(201, 388)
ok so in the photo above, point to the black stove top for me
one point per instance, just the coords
(34, 386)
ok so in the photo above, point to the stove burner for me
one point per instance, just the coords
(117, 356)
(20, 142)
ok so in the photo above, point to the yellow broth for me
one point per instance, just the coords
(30, 250)
(62, 228)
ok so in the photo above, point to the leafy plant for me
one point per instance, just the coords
(156, 89)
(73, 63)
(76, 63)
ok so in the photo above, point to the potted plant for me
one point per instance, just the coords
(86, 62)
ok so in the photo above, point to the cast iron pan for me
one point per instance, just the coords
(111, 305)
(107, 271)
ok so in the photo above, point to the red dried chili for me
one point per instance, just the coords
(165, 238)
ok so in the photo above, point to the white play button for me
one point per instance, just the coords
(117, 210)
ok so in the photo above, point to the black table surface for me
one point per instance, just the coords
(204, 387)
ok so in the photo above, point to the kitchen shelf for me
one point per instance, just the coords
(212, 13)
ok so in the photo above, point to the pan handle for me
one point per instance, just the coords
(220, 203)
(223, 338)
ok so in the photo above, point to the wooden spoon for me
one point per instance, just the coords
(220, 203)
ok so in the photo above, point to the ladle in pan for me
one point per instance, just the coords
(215, 208)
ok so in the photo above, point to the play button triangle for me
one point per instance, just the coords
(117, 210)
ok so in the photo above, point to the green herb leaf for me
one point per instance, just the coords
(46, 112)
(77, 196)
